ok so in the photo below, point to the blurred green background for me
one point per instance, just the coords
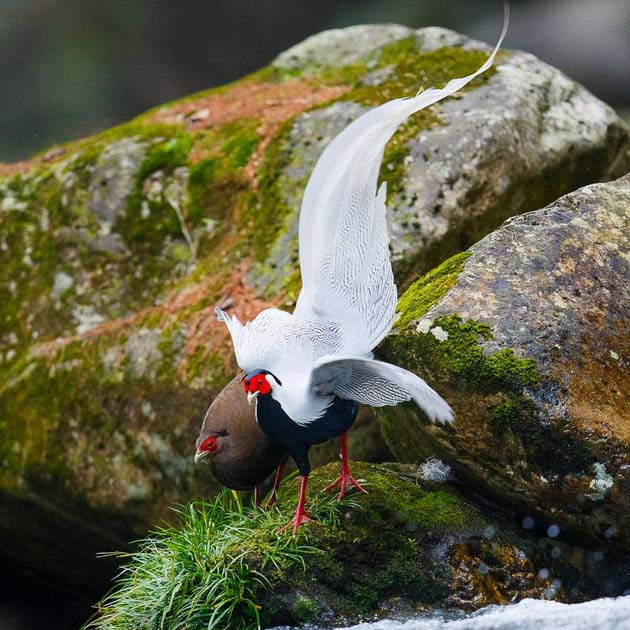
(71, 67)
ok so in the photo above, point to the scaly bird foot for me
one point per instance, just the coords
(344, 480)
(299, 519)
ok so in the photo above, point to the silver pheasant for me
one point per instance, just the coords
(306, 371)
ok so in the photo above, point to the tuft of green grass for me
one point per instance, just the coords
(206, 571)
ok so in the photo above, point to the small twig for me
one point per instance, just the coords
(185, 232)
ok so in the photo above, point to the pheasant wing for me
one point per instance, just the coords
(376, 383)
(280, 342)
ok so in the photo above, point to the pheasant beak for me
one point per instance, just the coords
(199, 455)
(251, 397)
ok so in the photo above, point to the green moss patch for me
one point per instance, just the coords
(90, 147)
(412, 70)
(114, 396)
(499, 382)
(30, 255)
(268, 209)
(240, 141)
(225, 565)
(429, 289)
(461, 356)
(161, 219)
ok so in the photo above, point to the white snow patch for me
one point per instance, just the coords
(602, 483)
(529, 614)
(436, 470)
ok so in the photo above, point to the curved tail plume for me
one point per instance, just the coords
(344, 253)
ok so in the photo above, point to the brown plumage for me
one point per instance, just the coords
(241, 456)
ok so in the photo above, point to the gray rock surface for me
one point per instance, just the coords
(531, 346)
(345, 45)
(526, 136)
(431, 38)
(516, 142)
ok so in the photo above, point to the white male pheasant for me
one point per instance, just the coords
(308, 371)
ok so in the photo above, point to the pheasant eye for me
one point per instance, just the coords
(209, 445)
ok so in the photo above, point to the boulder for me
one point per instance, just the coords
(527, 336)
(117, 247)
(515, 140)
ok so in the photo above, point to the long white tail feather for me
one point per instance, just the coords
(340, 261)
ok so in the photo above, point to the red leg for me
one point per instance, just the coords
(273, 495)
(345, 478)
(300, 513)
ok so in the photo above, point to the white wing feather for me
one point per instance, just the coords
(256, 343)
(377, 384)
(280, 342)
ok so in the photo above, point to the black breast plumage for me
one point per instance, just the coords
(296, 439)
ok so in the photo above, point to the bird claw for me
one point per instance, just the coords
(344, 480)
(299, 519)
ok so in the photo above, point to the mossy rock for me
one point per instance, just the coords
(117, 247)
(408, 543)
(523, 338)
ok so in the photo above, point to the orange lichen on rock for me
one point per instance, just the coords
(599, 387)
(270, 103)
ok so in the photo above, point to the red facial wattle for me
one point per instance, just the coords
(209, 445)
(257, 383)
